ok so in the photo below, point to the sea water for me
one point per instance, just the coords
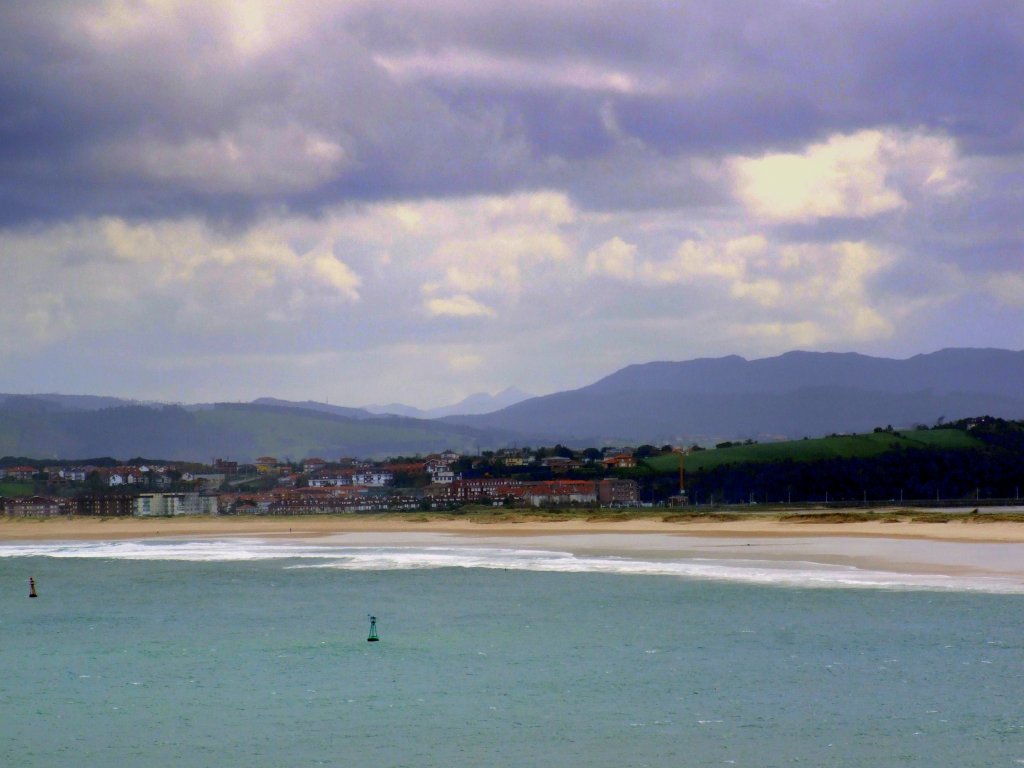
(249, 653)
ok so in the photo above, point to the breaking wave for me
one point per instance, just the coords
(790, 573)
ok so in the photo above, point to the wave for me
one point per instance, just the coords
(790, 573)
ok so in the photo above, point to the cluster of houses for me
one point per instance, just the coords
(494, 491)
(316, 486)
(141, 476)
(318, 473)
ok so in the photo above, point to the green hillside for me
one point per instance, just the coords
(839, 446)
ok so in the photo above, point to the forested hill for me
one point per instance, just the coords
(968, 460)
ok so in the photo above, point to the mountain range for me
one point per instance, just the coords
(798, 394)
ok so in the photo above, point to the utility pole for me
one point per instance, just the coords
(682, 472)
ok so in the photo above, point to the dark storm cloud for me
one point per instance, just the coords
(522, 100)
(738, 75)
(83, 119)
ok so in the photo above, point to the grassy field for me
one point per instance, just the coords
(841, 446)
(12, 488)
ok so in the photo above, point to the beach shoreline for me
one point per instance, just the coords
(962, 546)
(968, 529)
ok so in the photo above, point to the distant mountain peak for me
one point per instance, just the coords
(473, 405)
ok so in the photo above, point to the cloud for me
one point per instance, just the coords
(492, 246)
(462, 65)
(253, 160)
(828, 286)
(464, 362)
(458, 306)
(244, 28)
(336, 274)
(694, 260)
(615, 258)
(180, 277)
(1007, 288)
(858, 175)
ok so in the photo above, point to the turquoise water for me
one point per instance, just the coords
(264, 662)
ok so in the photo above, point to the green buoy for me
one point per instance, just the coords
(373, 630)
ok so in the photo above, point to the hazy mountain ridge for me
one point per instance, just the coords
(475, 404)
(793, 395)
(69, 402)
(312, 405)
(229, 430)
(948, 370)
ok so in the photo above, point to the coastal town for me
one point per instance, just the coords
(554, 477)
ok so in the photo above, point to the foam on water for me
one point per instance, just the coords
(790, 573)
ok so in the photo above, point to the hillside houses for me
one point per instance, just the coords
(266, 465)
(312, 466)
(18, 473)
(620, 461)
(374, 478)
(125, 476)
(330, 480)
(73, 474)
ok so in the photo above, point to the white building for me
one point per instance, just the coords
(442, 476)
(329, 481)
(170, 504)
(373, 477)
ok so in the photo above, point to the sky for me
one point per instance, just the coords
(411, 201)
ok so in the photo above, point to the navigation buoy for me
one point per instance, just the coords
(32, 587)
(373, 630)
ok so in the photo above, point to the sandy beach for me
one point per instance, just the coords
(976, 529)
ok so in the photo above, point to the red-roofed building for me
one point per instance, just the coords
(620, 461)
(309, 466)
(20, 473)
(558, 492)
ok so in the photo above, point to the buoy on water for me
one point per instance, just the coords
(373, 630)
(32, 587)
